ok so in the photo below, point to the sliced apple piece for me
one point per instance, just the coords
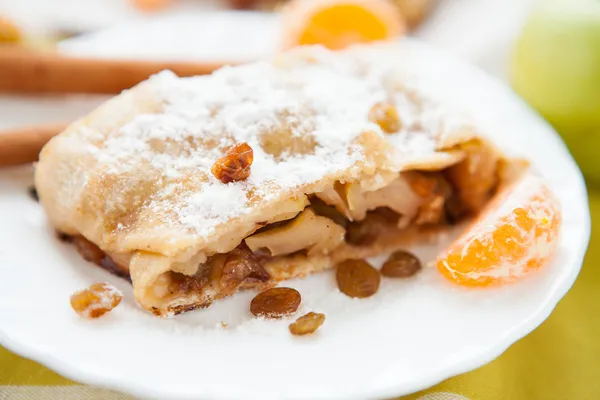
(399, 196)
(332, 197)
(378, 181)
(355, 200)
(306, 231)
(289, 209)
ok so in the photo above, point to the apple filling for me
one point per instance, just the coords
(332, 223)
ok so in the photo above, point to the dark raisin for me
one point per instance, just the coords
(184, 284)
(275, 303)
(241, 265)
(401, 264)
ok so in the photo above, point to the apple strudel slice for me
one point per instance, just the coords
(197, 187)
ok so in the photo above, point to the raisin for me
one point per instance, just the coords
(235, 165)
(401, 264)
(307, 324)
(386, 116)
(242, 265)
(185, 284)
(275, 303)
(366, 232)
(357, 278)
(96, 300)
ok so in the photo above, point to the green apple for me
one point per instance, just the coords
(556, 68)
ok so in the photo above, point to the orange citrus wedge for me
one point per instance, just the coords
(9, 33)
(337, 24)
(150, 5)
(514, 235)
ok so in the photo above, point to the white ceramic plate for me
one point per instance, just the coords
(219, 36)
(411, 335)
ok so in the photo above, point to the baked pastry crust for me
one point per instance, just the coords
(134, 177)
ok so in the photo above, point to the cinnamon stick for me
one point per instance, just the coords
(23, 145)
(28, 71)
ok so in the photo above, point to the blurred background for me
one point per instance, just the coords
(61, 58)
(547, 50)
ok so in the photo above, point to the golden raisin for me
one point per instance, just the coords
(386, 116)
(401, 264)
(235, 165)
(275, 303)
(307, 324)
(96, 300)
(357, 278)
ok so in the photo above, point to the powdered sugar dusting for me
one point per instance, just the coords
(214, 203)
(301, 113)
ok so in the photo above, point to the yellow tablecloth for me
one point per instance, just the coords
(558, 361)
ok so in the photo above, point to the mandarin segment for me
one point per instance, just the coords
(150, 5)
(337, 24)
(515, 235)
(9, 32)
